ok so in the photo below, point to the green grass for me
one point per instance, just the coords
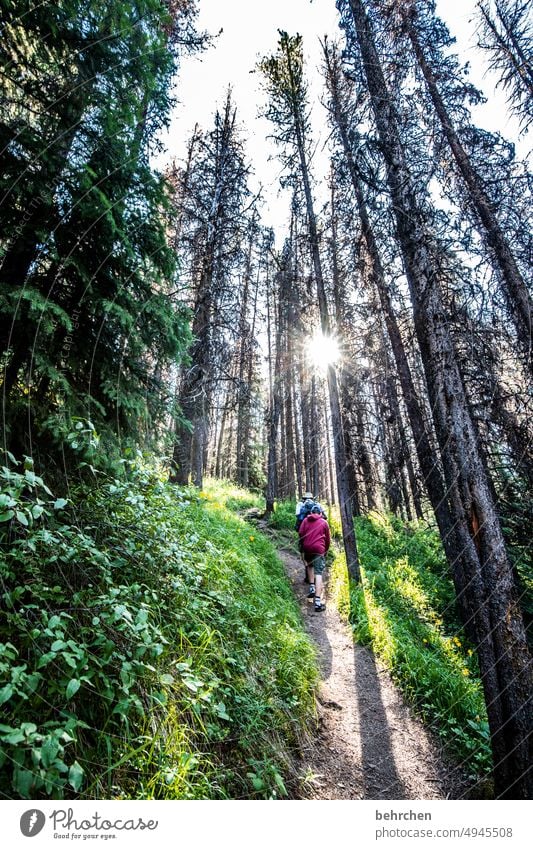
(152, 647)
(405, 610)
(227, 494)
(284, 515)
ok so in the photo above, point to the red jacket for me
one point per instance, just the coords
(314, 533)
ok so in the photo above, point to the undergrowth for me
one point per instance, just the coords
(405, 609)
(150, 647)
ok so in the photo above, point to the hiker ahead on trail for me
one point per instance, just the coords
(304, 507)
(315, 541)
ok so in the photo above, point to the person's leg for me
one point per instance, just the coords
(311, 576)
(319, 564)
(304, 561)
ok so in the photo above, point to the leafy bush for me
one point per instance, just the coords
(151, 646)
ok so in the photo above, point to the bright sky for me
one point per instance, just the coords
(250, 31)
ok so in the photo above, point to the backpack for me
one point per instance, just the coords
(305, 509)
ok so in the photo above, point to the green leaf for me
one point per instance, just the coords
(45, 658)
(37, 511)
(58, 645)
(16, 736)
(49, 750)
(6, 693)
(22, 518)
(6, 516)
(281, 784)
(75, 776)
(167, 679)
(72, 687)
(59, 503)
(220, 710)
(23, 781)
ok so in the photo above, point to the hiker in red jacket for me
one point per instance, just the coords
(314, 534)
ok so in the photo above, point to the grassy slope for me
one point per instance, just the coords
(151, 648)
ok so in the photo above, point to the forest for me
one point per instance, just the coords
(176, 373)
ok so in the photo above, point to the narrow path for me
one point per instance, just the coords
(368, 744)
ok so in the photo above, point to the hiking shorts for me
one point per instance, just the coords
(317, 561)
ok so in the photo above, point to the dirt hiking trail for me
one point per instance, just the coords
(368, 744)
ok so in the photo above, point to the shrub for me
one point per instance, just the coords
(151, 646)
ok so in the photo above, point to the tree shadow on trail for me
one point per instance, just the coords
(380, 774)
(316, 628)
(376, 769)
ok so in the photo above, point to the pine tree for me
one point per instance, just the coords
(87, 276)
(284, 76)
(216, 195)
(482, 570)
(506, 33)
(427, 36)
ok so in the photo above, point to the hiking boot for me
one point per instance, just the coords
(311, 593)
(319, 606)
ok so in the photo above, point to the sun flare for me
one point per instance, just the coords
(323, 350)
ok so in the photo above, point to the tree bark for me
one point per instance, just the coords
(348, 532)
(482, 570)
(518, 298)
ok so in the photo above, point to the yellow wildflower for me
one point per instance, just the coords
(252, 539)
(466, 672)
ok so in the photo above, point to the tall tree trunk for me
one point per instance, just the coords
(242, 386)
(331, 472)
(519, 300)
(433, 479)
(343, 332)
(363, 456)
(297, 442)
(404, 455)
(481, 570)
(275, 408)
(348, 531)
(221, 435)
(249, 378)
(289, 421)
(305, 392)
(316, 476)
(188, 454)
